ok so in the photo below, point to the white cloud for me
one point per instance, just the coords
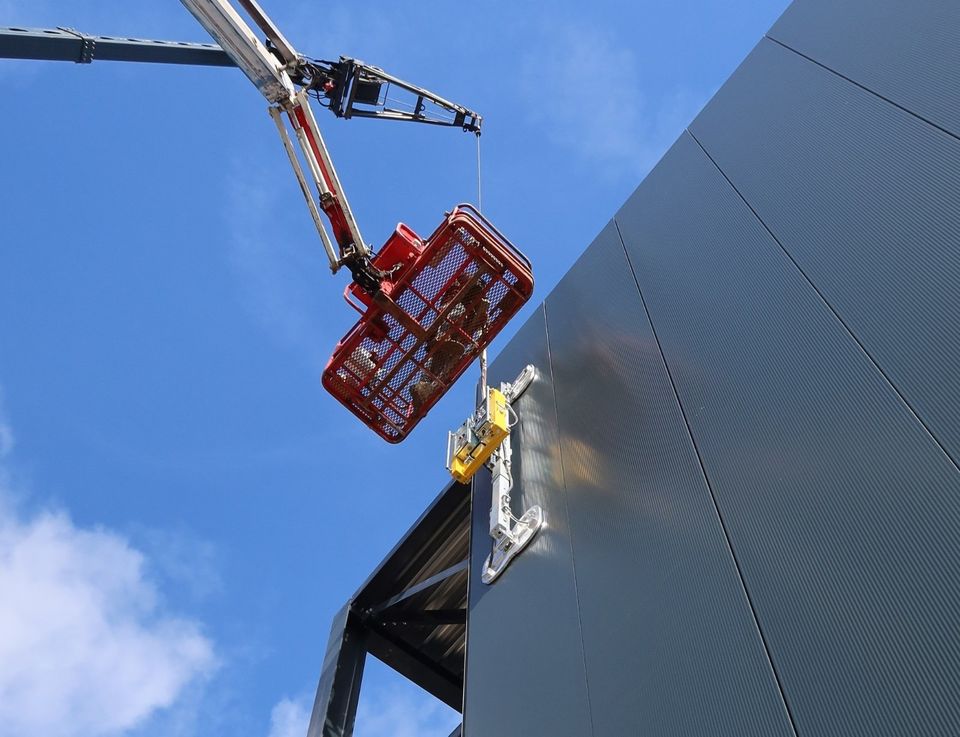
(290, 718)
(86, 644)
(182, 560)
(584, 90)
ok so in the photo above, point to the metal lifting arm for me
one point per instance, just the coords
(270, 71)
(233, 34)
(348, 88)
(474, 279)
(359, 90)
(332, 199)
(278, 41)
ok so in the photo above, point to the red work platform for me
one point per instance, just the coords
(446, 299)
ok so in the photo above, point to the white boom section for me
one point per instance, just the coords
(271, 77)
(236, 38)
(287, 53)
(304, 187)
(325, 176)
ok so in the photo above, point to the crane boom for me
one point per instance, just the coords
(283, 47)
(228, 28)
(270, 71)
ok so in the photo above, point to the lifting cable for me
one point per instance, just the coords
(479, 187)
(482, 383)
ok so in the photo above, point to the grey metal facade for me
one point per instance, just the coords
(746, 428)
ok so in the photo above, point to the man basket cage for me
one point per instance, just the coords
(444, 300)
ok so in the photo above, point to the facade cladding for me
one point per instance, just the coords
(745, 431)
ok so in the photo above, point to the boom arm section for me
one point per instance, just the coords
(348, 88)
(356, 90)
(270, 71)
(225, 24)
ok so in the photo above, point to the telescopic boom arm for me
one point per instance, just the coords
(348, 88)
(270, 73)
(267, 72)
(287, 80)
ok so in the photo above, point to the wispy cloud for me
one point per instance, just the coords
(278, 274)
(584, 89)
(183, 560)
(87, 645)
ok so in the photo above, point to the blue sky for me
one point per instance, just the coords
(182, 507)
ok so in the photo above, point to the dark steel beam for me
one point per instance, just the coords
(414, 665)
(424, 617)
(442, 519)
(335, 706)
(63, 44)
(420, 587)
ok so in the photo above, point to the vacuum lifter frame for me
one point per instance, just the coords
(484, 439)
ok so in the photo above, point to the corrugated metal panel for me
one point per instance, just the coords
(843, 512)
(865, 198)
(908, 51)
(525, 673)
(670, 642)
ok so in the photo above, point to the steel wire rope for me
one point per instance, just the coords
(482, 385)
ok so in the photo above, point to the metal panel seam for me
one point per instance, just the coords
(862, 87)
(833, 311)
(573, 557)
(706, 479)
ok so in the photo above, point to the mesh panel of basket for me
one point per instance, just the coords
(388, 375)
